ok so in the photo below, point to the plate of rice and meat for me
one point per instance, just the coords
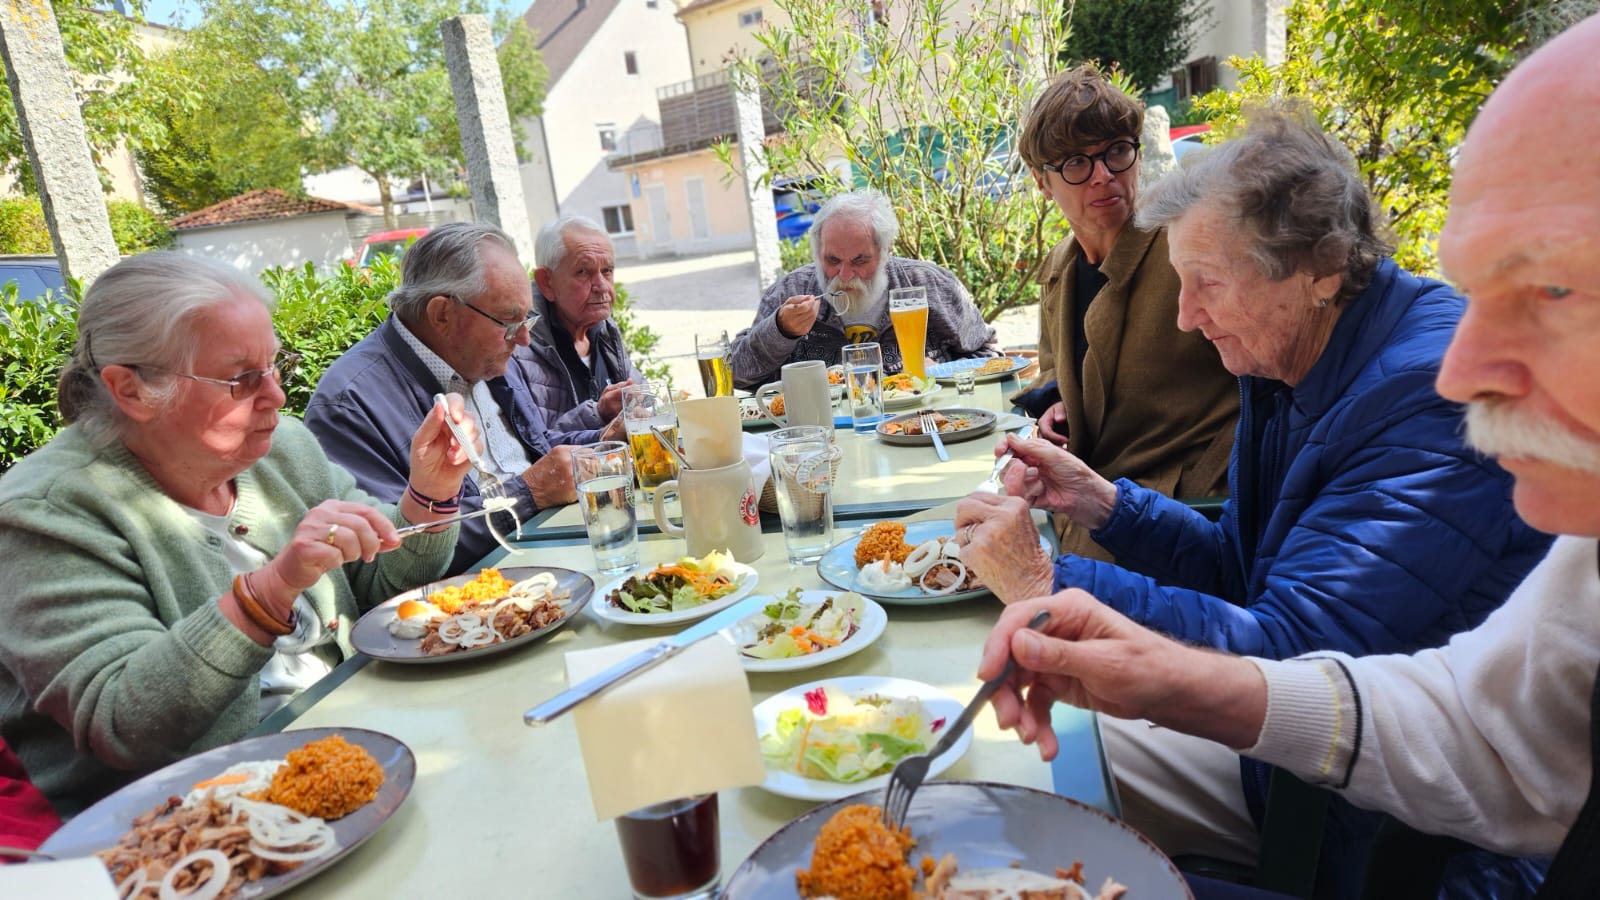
(993, 368)
(955, 426)
(248, 819)
(971, 840)
(472, 615)
(904, 563)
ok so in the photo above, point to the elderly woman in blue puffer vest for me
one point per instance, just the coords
(1359, 519)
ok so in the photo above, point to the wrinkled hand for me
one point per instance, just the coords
(332, 533)
(1053, 425)
(1051, 478)
(798, 314)
(438, 462)
(1001, 544)
(550, 479)
(610, 401)
(1092, 657)
(615, 430)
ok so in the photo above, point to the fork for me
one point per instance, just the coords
(992, 485)
(909, 772)
(932, 430)
(489, 486)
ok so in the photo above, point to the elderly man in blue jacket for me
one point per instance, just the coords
(464, 305)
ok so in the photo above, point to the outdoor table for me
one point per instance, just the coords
(501, 808)
(875, 479)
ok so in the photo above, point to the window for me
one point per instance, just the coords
(1197, 77)
(618, 219)
(608, 136)
(630, 62)
(650, 4)
(750, 18)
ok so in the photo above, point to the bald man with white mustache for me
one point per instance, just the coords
(1490, 738)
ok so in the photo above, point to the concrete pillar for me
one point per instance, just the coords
(58, 146)
(1269, 30)
(758, 193)
(486, 137)
(1156, 158)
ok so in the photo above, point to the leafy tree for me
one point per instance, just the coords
(369, 78)
(1144, 38)
(924, 109)
(1397, 82)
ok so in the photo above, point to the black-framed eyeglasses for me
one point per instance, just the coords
(512, 328)
(246, 384)
(1119, 157)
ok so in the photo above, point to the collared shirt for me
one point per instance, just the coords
(589, 374)
(503, 453)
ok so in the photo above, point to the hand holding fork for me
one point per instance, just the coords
(993, 484)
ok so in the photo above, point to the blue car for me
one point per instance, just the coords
(795, 205)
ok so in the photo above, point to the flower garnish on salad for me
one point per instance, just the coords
(685, 584)
(837, 737)
(788, 628)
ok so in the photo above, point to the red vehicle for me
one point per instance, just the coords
(1188, 137)
(386, 243)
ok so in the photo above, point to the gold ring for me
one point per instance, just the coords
(332, 539)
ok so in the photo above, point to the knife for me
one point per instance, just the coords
(644, 659)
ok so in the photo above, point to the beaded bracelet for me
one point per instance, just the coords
(257, 613)
(452, 505)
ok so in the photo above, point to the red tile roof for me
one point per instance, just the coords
(265, 203)
(562, 28)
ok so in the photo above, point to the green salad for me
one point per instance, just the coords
(685, 584)
(837, 737)
(788, 628)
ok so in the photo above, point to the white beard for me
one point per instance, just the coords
(1502, 428)
(859, 296)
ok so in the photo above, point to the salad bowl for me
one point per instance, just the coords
(744, 576)
(870, 628)
(936, 704)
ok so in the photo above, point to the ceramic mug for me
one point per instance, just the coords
(805, 395)
(719, 511)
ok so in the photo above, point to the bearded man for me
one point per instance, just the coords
(851, 237)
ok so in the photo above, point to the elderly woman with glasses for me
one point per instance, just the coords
(1359, 520)
(181, 558)
(1129, 393)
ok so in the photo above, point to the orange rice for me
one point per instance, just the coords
(857, 857)
(489, 585)
(884, 540)
(329, 779)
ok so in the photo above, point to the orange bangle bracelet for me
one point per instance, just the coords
(255, 612)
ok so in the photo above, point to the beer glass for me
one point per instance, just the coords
(908, 313)
(645, 406)
(716, 373)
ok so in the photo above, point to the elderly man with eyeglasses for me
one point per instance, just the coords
(463, 308)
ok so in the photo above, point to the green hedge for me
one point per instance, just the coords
(135, 229)
(318, 316)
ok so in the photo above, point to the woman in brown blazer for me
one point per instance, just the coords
(1134, 397)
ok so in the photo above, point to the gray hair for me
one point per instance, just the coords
(141, 312)
(445, 261)
(1296, 195)
(868, 206)
(550, 247)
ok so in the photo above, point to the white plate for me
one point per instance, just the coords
(873, 621)
(838, 565)
(602, 607)
(945, 372)
(937, 702)
(908, 402)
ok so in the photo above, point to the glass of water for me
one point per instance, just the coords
(966, 380)
(863, 373)
(804, 460)
(603, 474)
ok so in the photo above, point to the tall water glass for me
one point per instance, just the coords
(908, 313)
(603, 474)
(863, 374)
(804, 460)
(716, 371)
(645, 406)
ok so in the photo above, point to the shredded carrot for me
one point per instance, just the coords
(220, 780)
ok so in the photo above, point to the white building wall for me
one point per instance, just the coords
(1230, 36)
(320, 239)
(596, 89)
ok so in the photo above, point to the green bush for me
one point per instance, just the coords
(794, 254)
(22, 228)
(318, 316)
(137, 229)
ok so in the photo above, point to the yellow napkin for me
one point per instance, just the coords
(682, 728)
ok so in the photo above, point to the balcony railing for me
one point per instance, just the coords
(694, 114)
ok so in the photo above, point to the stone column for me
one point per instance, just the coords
(58, 146)
(1156, 158)
(486, 137)
(1269, 30)
(758, 193)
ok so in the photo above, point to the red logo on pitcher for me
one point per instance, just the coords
(747, 508)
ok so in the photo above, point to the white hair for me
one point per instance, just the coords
(868, 206)
(1505, 428)
(550, 247)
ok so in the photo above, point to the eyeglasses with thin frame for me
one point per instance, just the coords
(512, 328)
(246, 384)
(1119, 157)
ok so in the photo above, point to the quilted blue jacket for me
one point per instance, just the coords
(550, 385)
(1358, 519)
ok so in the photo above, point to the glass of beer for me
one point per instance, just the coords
(908, 314)
(716, 373)
(646, 406)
